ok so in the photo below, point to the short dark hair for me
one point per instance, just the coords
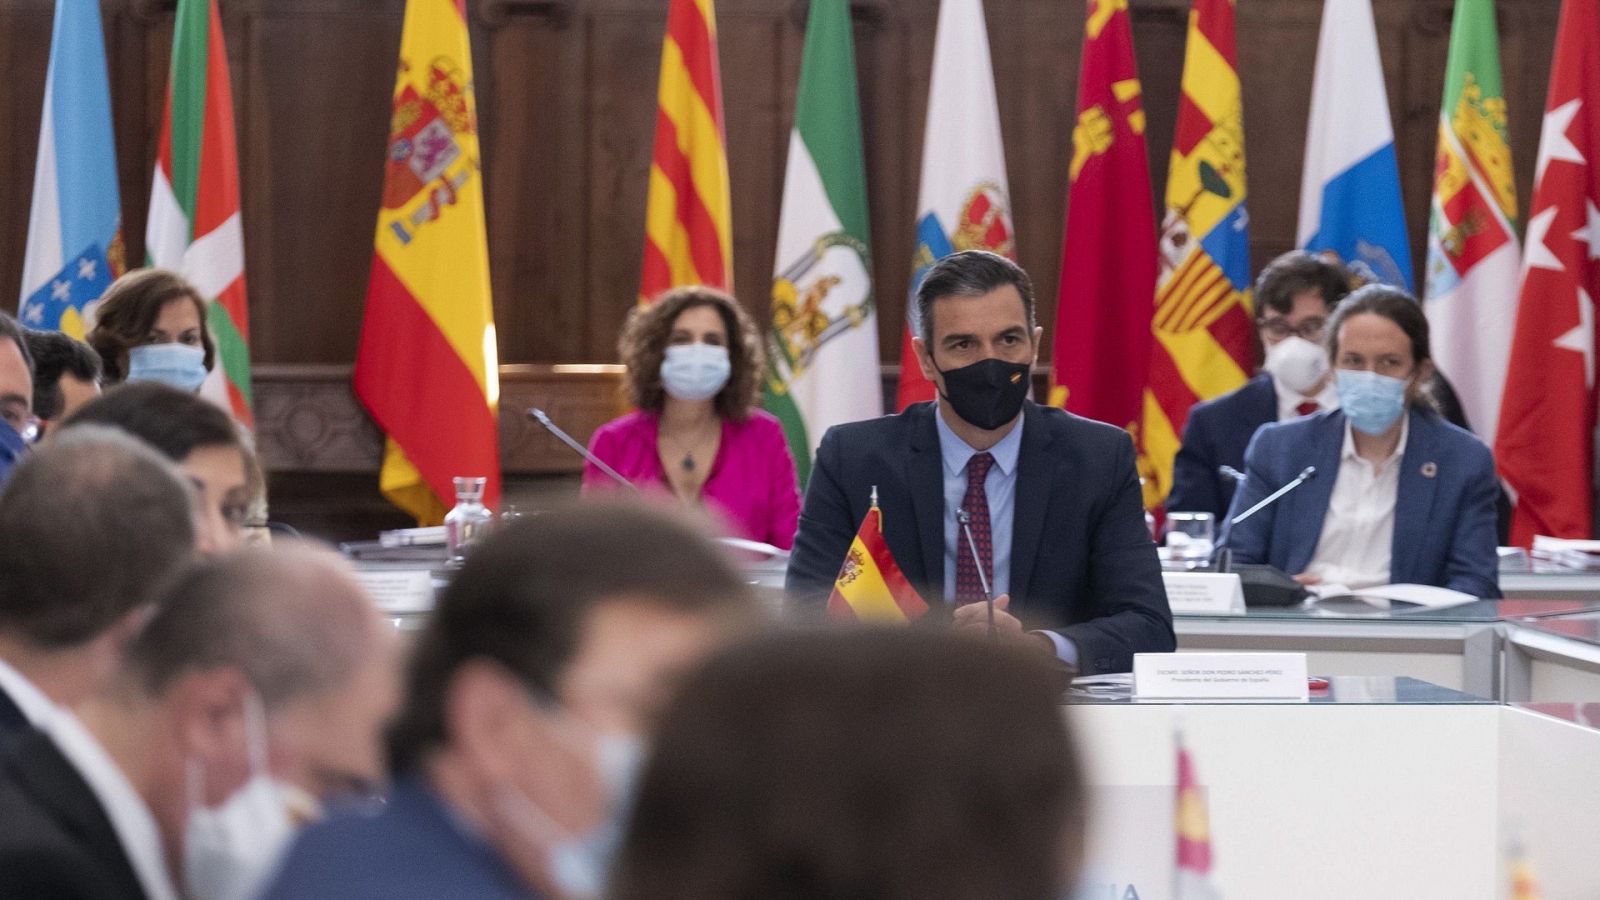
(128, 310)
(90, 524)
(54, 355)
(1391, 303)
(1295, 273)
(522, 599)
(11, 328)
(970, 273)
(859, 762)
(643, 345)
(170, 420)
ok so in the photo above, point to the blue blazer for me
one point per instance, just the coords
(1216, 434)
(1444, 513)
(1082, 562)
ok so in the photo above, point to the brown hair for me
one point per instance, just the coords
(129, 309)
(1406, 313)
(643, 346)
(1295, 273)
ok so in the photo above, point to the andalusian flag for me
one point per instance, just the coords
(688, 232)
(870, 586)
(75, 227)
(1473, 257)
(1202, 321)
(428, 368)
(824, 344)
(194, 225)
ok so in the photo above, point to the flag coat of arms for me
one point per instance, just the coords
(1545, 444)
(1108, 256)
(1350, 202)
(427, 368)
(1202, 322)
(823, 347)
(870, 586)
(688, 222)
(1192, 824)
(75, 225)
(1473, 255)
(964, 202)
(195, 226)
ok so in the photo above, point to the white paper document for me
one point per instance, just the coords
(1387, 595)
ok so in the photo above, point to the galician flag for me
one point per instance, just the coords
(824, 341)
(870, 586)
(964, 202)
(1202, 321)
(1472, 241)
(1545, 443)
(194, 225)
(428, 368)
(1108, 257)
(75, 226)
(688, 220)
(1350, 186)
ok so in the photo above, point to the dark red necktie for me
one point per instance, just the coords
(969, 589)
(1306, 408)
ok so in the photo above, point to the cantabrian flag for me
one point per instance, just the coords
(688, 226)
(1192, 827)
(195, 226)
(870, 586)
(427, 369)
(1202, 320)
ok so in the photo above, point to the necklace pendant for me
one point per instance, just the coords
(688, 463)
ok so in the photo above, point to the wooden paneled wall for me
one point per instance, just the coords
(566, 98)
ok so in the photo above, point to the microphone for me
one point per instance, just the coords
(983, 580)
(1227, 471)
(538, 415)
(1306, 474)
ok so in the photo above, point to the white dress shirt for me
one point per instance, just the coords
(131, 819)
(1357, 540)
(35, 706)
(1289, 400)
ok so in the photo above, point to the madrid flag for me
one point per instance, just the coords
(195, 226)
(823, 347)
(1545, 447)
(427, 369)
(964, 202)
(1108, 257)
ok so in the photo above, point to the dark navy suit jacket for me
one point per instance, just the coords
(1082, 562)
(1216, 434)
(1444, 512)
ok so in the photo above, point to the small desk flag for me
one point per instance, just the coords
(870, 586)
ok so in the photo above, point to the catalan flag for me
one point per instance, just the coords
(195, 227)
(427, 368)
(688, 226)
(870, 586)
(1202, 319)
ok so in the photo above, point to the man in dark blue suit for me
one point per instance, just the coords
(1052, 500)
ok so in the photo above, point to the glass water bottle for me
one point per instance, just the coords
(468, 523)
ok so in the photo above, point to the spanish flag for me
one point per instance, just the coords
(870, 586)
(1192, 824)
(427, 368)
(688, 232)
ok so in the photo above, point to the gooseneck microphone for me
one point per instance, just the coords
(1306, 474)
(1227, 471)
(983, 580)
(538, 415)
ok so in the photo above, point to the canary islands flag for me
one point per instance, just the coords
(870, 586)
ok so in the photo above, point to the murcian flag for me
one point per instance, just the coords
(75, 226)
(1108, 256)
(195, 226)
(964, 202)
(427, 368)
(823, 347)
(1203, 342)
(1192, 827)
(688, 224)
(870, 586)
(1544, 447)
(1473, 258)
(1350, 201)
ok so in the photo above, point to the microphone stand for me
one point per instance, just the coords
(983, 580)
(538, 415)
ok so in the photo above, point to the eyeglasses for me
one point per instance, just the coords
(1279, 328)
(26, 425)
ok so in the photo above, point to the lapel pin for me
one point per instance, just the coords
(1430, 469)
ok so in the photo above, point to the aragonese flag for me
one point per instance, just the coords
(195, 226)
(428, 367)
(1473, 256)
(823, 347)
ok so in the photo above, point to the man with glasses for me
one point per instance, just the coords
(17, 424)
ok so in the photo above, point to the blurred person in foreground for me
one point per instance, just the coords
(860, 763)
(530, 696)
(694, 362)
(66, 375)
(257, 689)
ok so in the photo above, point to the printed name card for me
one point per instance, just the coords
(1204, 593)
(398, 590)
(1220, 676)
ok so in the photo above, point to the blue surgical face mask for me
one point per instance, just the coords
(695, 371)
(12, 449)
(180, 365)
(1371, 402)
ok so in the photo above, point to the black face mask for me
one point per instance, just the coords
(988, 393)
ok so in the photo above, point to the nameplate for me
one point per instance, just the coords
(1220, 676)
(1204, 593)
(398, 590)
